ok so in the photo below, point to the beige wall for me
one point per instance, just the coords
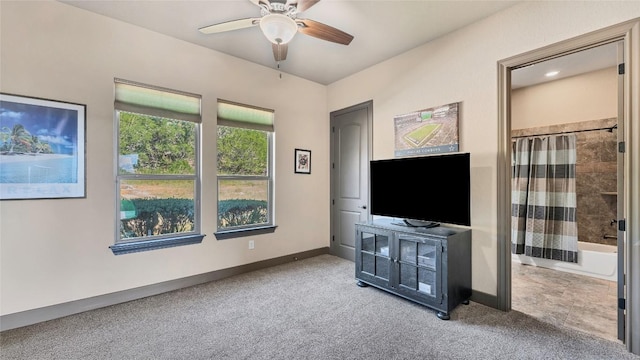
(462, 66)
(589, 96)
(56, 251)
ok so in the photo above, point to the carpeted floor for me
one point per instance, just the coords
(310, 309)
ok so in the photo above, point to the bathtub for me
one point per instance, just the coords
(595, 260)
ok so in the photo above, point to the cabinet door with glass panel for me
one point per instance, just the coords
(418, 265)
(373, 260)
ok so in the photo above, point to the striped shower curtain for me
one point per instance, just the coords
(543, 198)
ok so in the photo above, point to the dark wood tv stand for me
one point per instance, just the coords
(430, 266)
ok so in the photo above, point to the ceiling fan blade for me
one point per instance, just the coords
(230, 25)
(280, 51)
(258, 2)
(302, 5)
(323, 31)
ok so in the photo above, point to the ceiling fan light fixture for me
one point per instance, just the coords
(278, 28)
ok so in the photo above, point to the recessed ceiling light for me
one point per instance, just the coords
(551, 73)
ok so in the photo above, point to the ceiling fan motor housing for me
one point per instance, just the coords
(278, 8)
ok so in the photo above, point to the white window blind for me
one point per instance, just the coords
(244, 116)
(151, 100)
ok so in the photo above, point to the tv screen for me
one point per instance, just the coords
(430, 188)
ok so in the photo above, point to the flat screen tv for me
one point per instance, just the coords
(422, 191)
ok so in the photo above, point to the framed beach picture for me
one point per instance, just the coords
(42, 148)
(302, 161)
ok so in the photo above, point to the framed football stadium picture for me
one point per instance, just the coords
(428, 131)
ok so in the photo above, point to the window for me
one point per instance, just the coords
(158, 167)
(245, 170)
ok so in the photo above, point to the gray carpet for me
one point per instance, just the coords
(310, 309)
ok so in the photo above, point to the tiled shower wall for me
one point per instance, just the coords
(596, 176)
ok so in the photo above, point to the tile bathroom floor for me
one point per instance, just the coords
(576, 301)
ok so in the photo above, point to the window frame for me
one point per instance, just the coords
(152, 242)
(270, 225)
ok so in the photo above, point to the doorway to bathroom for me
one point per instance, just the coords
(564, 133)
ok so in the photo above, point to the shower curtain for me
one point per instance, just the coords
(543, 209)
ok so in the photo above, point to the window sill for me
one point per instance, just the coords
(230, 234)
(147, 245)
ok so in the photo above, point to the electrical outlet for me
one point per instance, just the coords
(252, 245)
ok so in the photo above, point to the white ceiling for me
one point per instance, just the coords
(381, 30)
(580, 62)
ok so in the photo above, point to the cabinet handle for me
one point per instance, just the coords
(363, 207)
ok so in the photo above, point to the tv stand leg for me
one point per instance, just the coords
(361, 284)
(465, 302)
(443, 316)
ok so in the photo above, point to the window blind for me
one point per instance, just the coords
(146, 99)
(244, 116)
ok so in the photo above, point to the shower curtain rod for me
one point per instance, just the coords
(609, 129)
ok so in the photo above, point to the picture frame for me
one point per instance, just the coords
(42, 148)
(302, 161)
(428, 131)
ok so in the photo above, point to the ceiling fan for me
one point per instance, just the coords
(279, 23)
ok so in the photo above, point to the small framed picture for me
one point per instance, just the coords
(302, 161)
